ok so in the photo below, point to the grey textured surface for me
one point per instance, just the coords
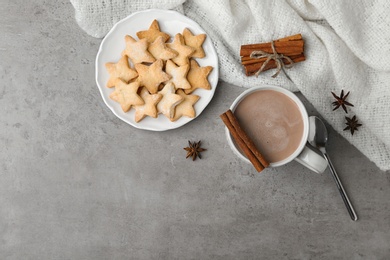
(78, 183)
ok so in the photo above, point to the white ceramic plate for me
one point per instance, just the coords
(113, 44)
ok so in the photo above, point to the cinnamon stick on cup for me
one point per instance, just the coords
(243, 141)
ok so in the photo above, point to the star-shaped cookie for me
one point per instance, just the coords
(195, 41)
(178, 74)
(152, 33)
(186, 107)
(183, 50)
(169, 101)
(120, 70)
(160, 50)
(151, 76)
(126, 94)
(137, 51)
(197, 76)
(149, 108)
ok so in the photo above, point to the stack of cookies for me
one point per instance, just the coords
(157, 76)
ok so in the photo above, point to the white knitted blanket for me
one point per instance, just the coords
(347, 46)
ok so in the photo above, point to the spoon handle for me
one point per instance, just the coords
(340, 187)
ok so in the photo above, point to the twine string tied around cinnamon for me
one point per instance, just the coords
(280, 65)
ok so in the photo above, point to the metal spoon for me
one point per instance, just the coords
(318, 137)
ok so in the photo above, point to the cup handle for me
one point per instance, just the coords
(312, 160)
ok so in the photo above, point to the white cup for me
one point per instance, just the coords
(303, 154)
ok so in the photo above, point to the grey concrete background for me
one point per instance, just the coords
(78, 183)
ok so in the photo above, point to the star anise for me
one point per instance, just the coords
(194, 150)
(341, 101)
(352, 124)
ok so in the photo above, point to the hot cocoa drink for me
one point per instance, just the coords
(273, 121)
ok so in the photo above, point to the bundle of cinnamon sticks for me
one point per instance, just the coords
(291, 46)
(243, 141)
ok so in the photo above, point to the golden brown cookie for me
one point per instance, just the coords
(137, 51)
(195, 41)
(183, 50)
(186, 107)
(169, 101)
(178, 74)
(149, 108)
(160, 50)
(126, 94)
(197, 76)
(152, 33)
(151, 76)
(120, 70)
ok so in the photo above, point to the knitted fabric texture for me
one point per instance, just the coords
(347, 45)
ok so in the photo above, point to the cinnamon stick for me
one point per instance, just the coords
(248, 60)
(252, 68)
(291, 46)
(295, 37)
(243, 141)
(282, 47)
(252, 158)
(249, 143)
(290, 38)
